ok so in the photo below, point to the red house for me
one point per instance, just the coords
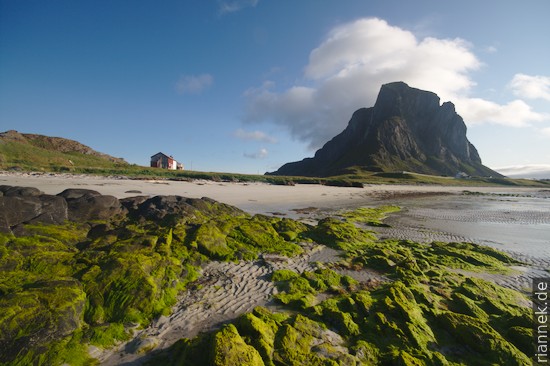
(161, 160)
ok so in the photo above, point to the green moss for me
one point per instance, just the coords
(483, 339)
(367, 352)
(68, 233)
(42, 311)
(259, 334)
(229, 349)
(284, 275)
(465, 305)
(293, 348)
(106, 335)
(211, 241)
(372, 216)
(300, 290)
(340, 234)
(260, 234)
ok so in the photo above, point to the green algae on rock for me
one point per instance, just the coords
(65, 286)
(98, 279)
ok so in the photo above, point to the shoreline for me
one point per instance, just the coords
(252, 197)
(227, 290)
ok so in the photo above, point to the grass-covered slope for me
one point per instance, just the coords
(44, 153)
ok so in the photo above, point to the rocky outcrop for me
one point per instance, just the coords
(26, 205)
(167, 208)
(406, 130)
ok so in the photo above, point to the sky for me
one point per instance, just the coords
(245, 86)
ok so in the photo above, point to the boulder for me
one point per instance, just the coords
(22, 206)
(10, 191)
(85, 205)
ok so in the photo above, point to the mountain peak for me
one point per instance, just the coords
(406, 129)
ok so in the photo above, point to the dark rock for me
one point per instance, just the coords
(169, 208)
(54, 210)
(406, 130)
(10, 191)
(132, 203)
(159, 208)
(91, 207)
(21, 205)
(86, 204)
(75, 193)
(16, 210)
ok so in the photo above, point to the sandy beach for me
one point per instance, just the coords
(515, 220)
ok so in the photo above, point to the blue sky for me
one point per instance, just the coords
(248, 85)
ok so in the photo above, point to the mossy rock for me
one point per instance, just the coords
(229, 349)
(211, 241)
(339, 234)
(258, 334)
(522, 338)
(483, 339)
(284, 275)
(44, 311)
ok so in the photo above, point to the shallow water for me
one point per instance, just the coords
(519, 225)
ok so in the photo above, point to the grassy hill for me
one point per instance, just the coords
(43, 153)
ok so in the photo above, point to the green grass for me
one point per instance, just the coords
(32, 158)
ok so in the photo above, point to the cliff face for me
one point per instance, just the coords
(407, 129)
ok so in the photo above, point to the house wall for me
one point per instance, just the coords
(163, 161)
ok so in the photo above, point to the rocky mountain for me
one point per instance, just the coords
(39, 152)
(406, 130)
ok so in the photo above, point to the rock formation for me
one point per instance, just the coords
(406, 130)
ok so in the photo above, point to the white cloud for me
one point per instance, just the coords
(513, 114)
(346, 70)
(262, 153)
(235, 5)
(539, 171)
(194, 84)
(254, 136)
(545, 131)
(531, 87)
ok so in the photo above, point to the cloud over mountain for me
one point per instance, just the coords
(347, 69)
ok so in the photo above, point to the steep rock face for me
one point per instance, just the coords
(407, 129)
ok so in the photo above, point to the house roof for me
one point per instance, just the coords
(163, 154)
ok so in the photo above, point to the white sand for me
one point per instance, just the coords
(251, 197)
